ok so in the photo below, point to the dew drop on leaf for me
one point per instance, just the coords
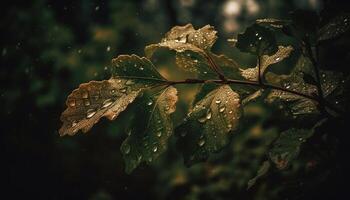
(159, 134)
(201, 142)
(217, 101)
(155, 149)
(208, 114)
(86, 102)
(107, 103)
(90, 113)
(222, 109)
(150, 103)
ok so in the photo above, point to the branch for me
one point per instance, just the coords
(257, 84)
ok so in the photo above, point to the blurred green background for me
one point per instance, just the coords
(49, 47)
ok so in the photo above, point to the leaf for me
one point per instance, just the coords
(264, 168)
(265, 61)
(195, 62)
(287, 147)
(191, 46)
(151, 130)
(208, 126)
(299, 105)
(136, 68)
(108, 98)
(257, 40)
(335, 27)
(309, 79)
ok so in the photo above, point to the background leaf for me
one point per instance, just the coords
(265, 61)
(335, 27)
(257, 40)
(286, 148)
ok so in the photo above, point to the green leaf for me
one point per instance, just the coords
(264, 168)
(309, 79)
(335, 27)
(257, 40)
(209, 125)
(108, 98)
(151, 128)
(191, 46)
(299, 105)
(287, 147)
(195, 62)
(265, 61)
(135, 68)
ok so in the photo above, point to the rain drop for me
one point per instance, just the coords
(126, 149)
(159, 134)
(129, 82)
(86, 102)
(222, 109)
(107, 103)
(201, 142)
(155, 149)
(85, 95)
(108, 48)
(90, 113)
(208, 114)
(71, 102)
(123, 90)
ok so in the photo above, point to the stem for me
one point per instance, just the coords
(214, 66)
(232, 81)
(257, 84)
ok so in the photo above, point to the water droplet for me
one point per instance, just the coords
(112, 91)
(107, 103)
(202, 119)
(123, 90)
(71, 102)
(85, 95)
(108, 48)
(167, 107)
(222, 109)
(129, 82)
(230, 112)
(277, 59)
(74, 124)
(141, 68)
(126, 149)
(159, 134)
(256, 34)
(155, 149)
(201, 142)
(90, 113)
(218, 101)
(260, 38)
(150, 103)
(208, 114)
(86, 102)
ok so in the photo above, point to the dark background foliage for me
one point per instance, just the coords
(49, 47)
